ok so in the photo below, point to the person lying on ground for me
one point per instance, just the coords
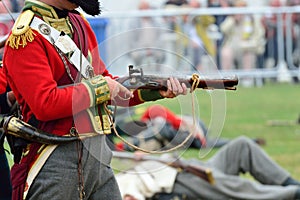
(154, 180)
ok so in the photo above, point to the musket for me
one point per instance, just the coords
(138, 80)
(202, 172)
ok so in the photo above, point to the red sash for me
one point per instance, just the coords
(19, 172)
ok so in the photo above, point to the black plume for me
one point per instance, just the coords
(91, 7)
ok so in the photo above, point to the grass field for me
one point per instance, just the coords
(246, 111)
(249, 110)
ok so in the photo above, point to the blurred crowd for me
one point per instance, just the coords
(8, 7)
(232, 41)
(220, 41)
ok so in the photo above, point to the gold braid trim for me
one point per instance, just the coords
(21, 31)
(15, 41)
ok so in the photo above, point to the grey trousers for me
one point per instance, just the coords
(239, 156)
(58, 179)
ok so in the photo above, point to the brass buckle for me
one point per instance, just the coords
(74, 131)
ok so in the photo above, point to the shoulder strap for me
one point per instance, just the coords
(64, 43)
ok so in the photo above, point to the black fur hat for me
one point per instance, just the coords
(91, 7)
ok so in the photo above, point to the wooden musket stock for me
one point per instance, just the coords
(137, 80)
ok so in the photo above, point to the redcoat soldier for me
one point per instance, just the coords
(53, 66)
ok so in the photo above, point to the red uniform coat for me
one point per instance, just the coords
(33, 73)
(3, 82)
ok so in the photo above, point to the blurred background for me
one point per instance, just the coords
(257, 40)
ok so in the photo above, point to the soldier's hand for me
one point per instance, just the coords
(11, 97)
(118, 90)
(174, 88)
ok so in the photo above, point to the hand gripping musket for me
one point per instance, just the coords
(138, 80)
(201, 172)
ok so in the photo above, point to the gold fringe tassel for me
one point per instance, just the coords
(15, 41)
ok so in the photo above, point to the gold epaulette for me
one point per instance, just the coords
(21, 31)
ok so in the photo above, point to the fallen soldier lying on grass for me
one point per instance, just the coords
(153, 180)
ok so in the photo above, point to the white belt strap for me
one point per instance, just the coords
(65, 44)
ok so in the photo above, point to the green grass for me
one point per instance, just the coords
(246, 112)
(249, 110)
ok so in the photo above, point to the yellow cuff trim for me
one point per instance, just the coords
(140, 95)
(98, 90)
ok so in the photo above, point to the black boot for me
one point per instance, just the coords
(290, 181)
